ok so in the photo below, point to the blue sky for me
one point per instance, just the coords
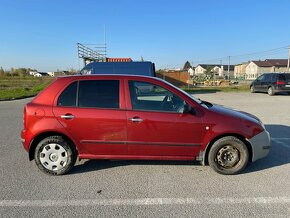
(42, 34)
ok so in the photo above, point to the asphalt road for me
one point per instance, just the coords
(100, 188)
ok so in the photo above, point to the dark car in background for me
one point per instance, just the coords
(142, 68)
(271, 83)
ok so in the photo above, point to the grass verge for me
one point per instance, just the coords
(17, 88)
(214, 89)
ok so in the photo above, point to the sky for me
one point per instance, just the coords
(42, 34)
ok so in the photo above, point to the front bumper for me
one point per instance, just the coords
(260, 145)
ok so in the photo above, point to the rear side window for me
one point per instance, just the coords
(99, 93)
(285, 77)
(281, 77)
(68, 96)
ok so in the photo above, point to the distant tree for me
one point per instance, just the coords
(72, 71)
(21, 72)
(1, 72)
(209, 72)
(187, 65)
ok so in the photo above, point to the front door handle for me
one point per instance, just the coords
(136, 120)
(67, 116)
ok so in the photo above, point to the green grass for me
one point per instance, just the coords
(21, 87)
(241, 88)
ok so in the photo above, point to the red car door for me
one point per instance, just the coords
(96, 121)
(156, 128)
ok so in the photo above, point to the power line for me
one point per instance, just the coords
(244, 55)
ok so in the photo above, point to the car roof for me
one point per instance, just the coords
(115, 76)
(277, 73)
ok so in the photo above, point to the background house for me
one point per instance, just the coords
(202, 68)
(40, 74)
(222, 71)
(191, 71)
(217, 69)
(256, 68)
(240, 70)
(32, 73)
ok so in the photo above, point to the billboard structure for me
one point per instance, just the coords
(96, 52)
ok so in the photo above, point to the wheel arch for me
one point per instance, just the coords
(43, 135)
(210, 144)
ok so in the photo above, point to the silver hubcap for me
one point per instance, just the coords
(270, 91)
(53, 157)
(228, 156)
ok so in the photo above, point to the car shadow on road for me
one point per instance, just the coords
(280, 151)
(279, 155)
(95, 165)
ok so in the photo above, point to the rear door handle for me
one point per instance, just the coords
(67, 116)
(136, 120)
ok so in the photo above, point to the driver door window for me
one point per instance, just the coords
(149, 97)
(261, 78)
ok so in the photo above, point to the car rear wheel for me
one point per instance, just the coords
(252, 89)
(228, 155)
(54, 155)
(271, 91)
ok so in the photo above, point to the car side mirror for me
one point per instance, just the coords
(187, 109)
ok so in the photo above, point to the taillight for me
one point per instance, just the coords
(280, 83)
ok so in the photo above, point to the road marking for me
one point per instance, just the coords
(143, 202)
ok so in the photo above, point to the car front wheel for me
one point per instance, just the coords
(252, 89)
(228, 155)
(54, 155)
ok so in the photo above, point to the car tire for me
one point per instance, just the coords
(228, 155)
(252, 89)
(54, 155)
(271, 91)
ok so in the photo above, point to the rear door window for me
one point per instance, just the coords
(273, 78)
(267, 78)
(68, 97)
(99, 94)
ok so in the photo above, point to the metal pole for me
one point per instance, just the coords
(229, 67)
(288, 58)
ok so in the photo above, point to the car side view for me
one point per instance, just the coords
(271, 83)
(136, 117)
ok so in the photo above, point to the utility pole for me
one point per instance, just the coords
(229, 67)
(105, 41)
(288, 58)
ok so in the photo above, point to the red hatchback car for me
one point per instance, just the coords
(136, 117)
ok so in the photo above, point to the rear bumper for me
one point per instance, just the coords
(282, 89)
(25, 136)
(261, 145)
